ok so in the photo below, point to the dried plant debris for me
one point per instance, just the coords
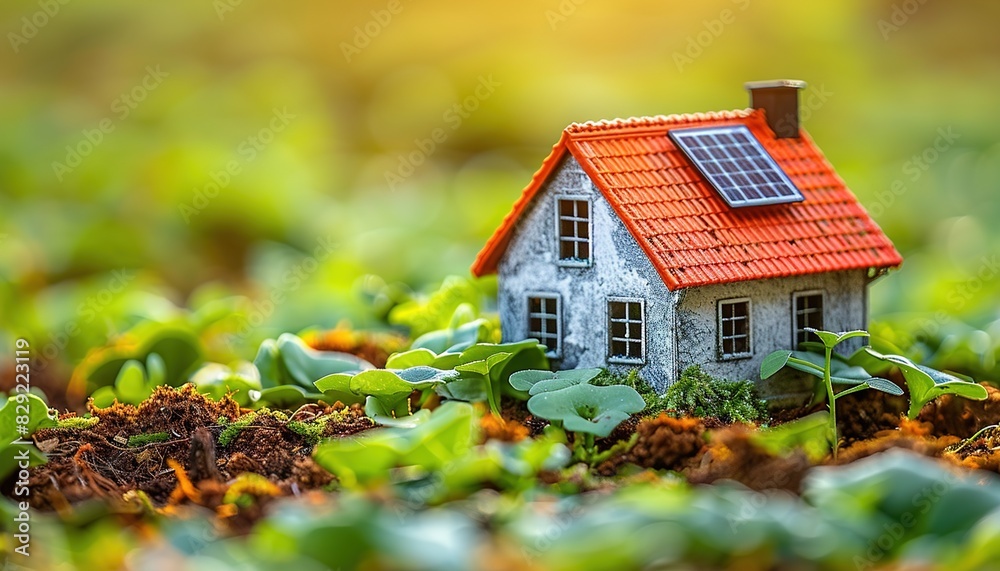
(125, 449)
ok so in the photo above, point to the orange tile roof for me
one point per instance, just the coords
(685, 228)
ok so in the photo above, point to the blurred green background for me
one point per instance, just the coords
(162, 156)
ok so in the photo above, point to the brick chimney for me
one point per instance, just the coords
(780, 101)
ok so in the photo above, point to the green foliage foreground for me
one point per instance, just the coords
(895, 508)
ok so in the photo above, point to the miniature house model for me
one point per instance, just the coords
(663, 242)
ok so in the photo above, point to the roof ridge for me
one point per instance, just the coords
(654, 122)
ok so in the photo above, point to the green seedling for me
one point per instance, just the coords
(446, 435)
(453, 339)
(484, 369)
(21, 415)
(856, 377)
(288, 361)
(241, 382)
(385, 393)
(134, 384)
(177, 348)
(536, 382)
(926, 384)
(808, 433)
(455, 303)
(587, 410)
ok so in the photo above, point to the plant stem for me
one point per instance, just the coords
(831, 401)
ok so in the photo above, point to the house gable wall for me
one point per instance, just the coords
(619, 269)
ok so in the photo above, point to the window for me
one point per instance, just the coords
(807, 311)
(626, 330)
(734, 328)
(544, 322)
(573, 229)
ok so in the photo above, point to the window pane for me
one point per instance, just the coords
(742, 345)
(618, 329)
(616, 309)
(625, 329)
(566, 228)
(574, 229)
(543, 321)
(566, 208)
(734, 328)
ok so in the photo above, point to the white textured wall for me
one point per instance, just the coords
(681, 327)
(619, 268)
(844, 308)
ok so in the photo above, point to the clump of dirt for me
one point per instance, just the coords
(514, 409)
(863, 414)
(731, 454)
(370, 346)
(911, 434)
(665, 442)
(962, 417)
(140, 448)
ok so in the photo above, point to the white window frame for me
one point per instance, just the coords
(557, 352)
(723, 356)
(613, 359)
(567, 262)
(795, 312)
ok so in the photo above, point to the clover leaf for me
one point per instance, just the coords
(587, 408)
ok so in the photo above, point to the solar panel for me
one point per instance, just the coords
(736, 165)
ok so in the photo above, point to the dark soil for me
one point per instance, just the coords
(665, 442)
(962, 417)
(100, 462)
(179, 447)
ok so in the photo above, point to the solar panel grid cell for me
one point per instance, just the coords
(736, 165)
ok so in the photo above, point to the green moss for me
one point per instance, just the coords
(77, 422)
(233, 429)
(312, 431)
(699, 394)
(138, 440)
